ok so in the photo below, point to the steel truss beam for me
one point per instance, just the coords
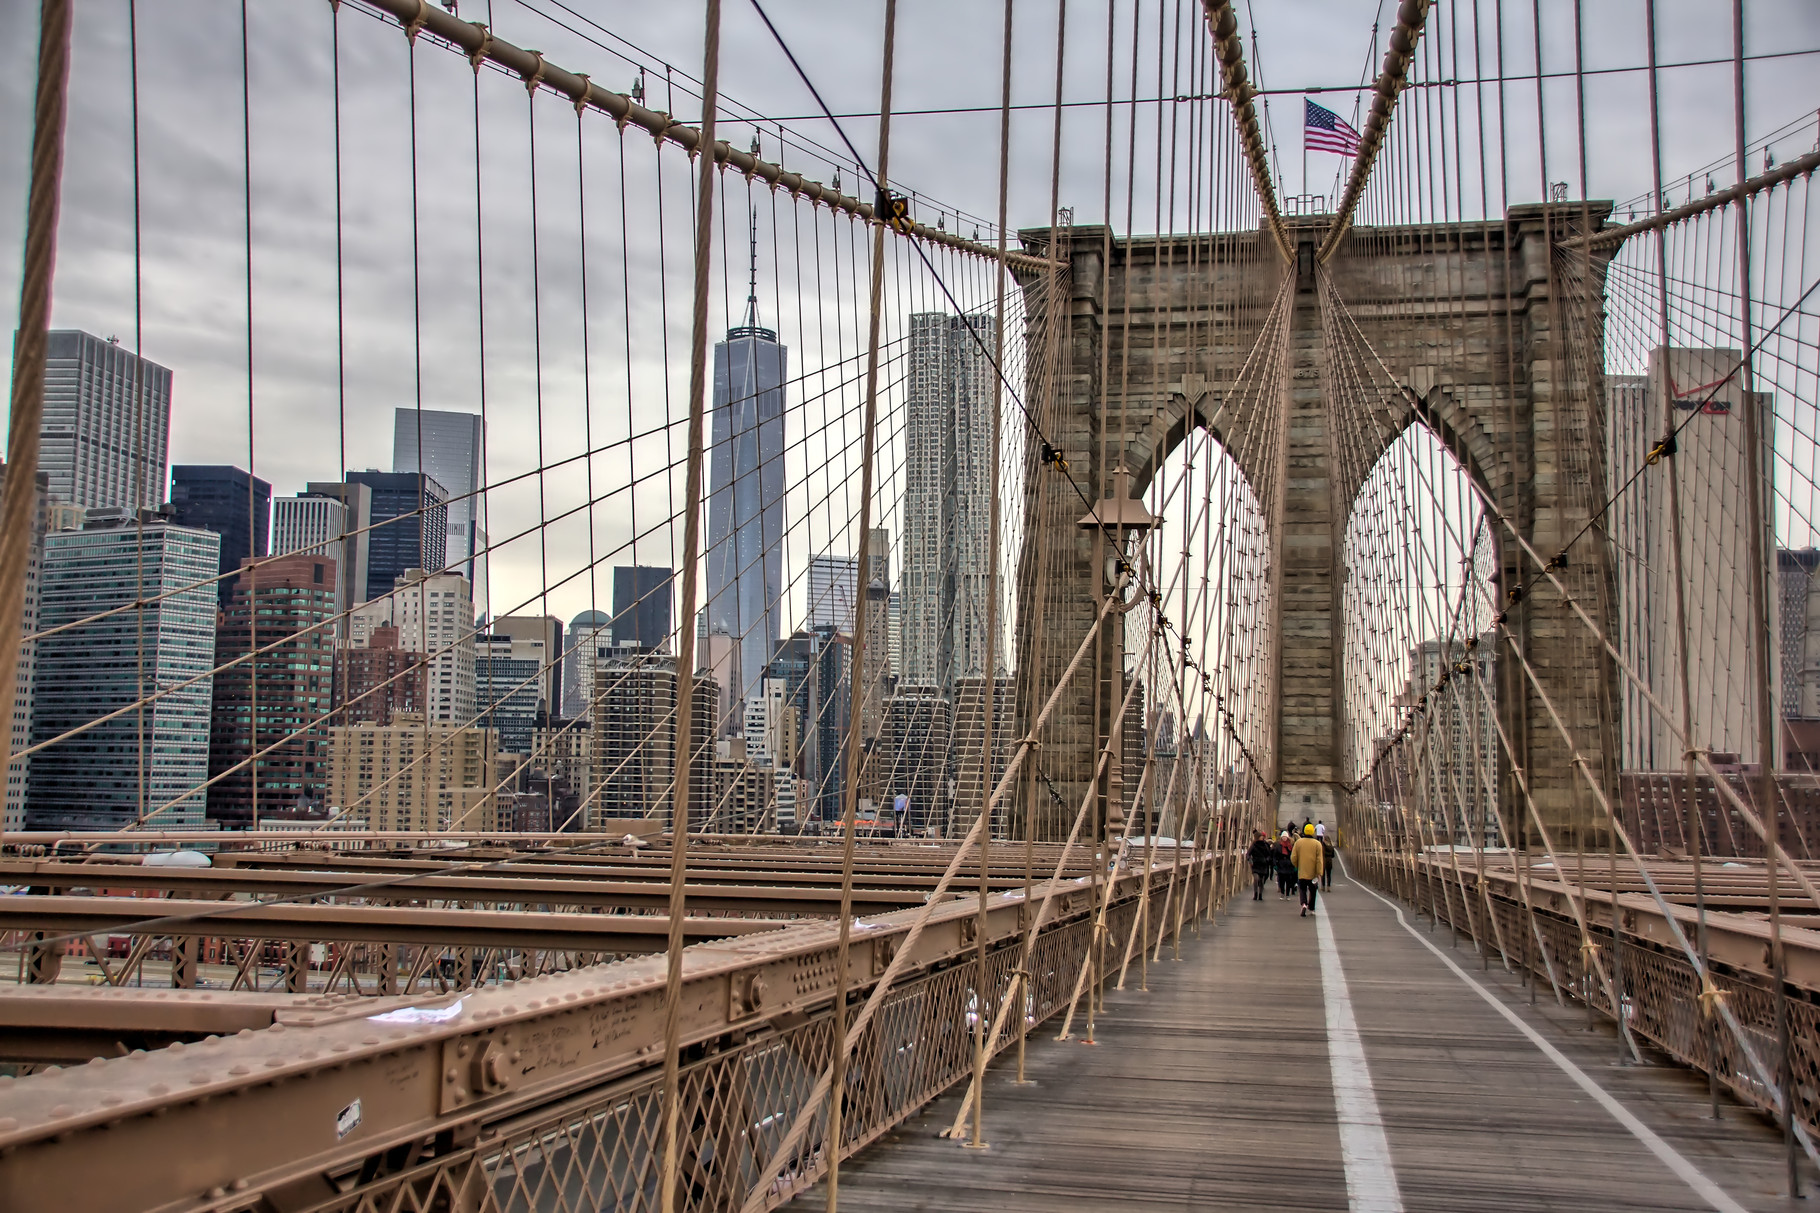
(338, 1087)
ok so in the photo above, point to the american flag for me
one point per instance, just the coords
(1322, 131)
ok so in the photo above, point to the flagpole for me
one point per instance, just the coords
(1304, 146)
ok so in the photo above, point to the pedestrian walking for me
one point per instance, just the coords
(1327, 857)
(1263, 859)
(1285, 867)
(1309, 858)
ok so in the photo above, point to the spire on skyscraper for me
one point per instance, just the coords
(752, 292)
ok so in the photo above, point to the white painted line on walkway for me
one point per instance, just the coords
(1371, 1180)
(1689, 1174)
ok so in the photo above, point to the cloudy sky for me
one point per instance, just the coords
(322, 391)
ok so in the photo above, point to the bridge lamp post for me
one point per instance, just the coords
(1116, 518)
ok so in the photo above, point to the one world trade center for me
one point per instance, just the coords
(746, 495)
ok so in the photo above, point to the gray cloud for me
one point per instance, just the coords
(192, 214)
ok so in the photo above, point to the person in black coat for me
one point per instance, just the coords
(1263, 858)
(1286, 875)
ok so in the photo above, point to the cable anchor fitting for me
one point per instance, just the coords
(1557, 561)
(1711, 998)
(536, 77)
(1053, 456)
(1662, 450)
(478, 55)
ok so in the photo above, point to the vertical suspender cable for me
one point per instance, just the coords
(1695, 833)
(27, 407)
(1677, 576)
(252, 523)
(685, 642)
(862, 619)
(1762, 549)
(992, 584)
(139, 446)
(1056, 343)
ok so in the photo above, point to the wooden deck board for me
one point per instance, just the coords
(1213, 1092)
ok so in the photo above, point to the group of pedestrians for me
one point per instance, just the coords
(1301, 859)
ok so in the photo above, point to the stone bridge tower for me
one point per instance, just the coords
(1467, 319)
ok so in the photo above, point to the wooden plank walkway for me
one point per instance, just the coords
(1214, 1091)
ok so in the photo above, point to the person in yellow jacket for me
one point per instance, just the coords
(1310, 859)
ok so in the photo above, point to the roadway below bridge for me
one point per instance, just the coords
(1343, 1061)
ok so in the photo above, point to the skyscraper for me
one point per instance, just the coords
(93, 780)
(589, 632)
(746, 496)
(794, 667)
(415, 775)
(402, 537)
(947, 494)
(508, 687)
(773, 726)
(230, 502)
(641, 607)
(107, 421)
(275, 704)
(379, 680)
(329, 519)
(911, 761)
(452, 451)
(434, 616)
(635, 739)
(974, 781)
(1456, 773)
(831, 591)
(1711, 480)
(546, 630)
(830, 718)
(18, 772)
(1798, 603)
(878, 674)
